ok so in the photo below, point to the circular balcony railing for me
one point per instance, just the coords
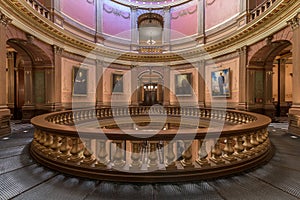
(112, 143)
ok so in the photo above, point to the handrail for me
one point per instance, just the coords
(256, 12)
(138, 156)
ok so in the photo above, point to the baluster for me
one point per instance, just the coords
(64, 149)
(37, 135)
(48, 143)
(228, 149)
(170, 163)
(238, 147)
(102, 154)
(254, 142)
(76, 150)
(42, 140)
(247, 145)
(136, 155)
(153, 158)
(118, 157)
(202, 154)
(88, 159)
(259, 137)
(216, 153)
(187, 154)
(55, 146)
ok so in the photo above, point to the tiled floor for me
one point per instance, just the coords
(22, 178)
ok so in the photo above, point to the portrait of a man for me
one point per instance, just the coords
(79, 81)
(220, 83)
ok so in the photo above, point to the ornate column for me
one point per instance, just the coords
(134, 28)
(201, 17)
(4, 111)
(281, 106)
(294, 112)
(28, 107)
(11, 80)
(268, 85)
(201, 83)
(57, 78)
(167, 85)
(134, 86)
(99, 21)
(242, 77)
(99, 83)
(250, 83)
(167, 27)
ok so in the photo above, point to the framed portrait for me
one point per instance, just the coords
(220, 83)
(117, 83)
(80, 79)
(183, 84)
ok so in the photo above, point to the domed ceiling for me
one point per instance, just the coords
(151, 3)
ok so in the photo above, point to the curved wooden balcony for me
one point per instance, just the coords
(192, 143)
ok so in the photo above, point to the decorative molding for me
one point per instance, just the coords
(210, 2)
(58, 50)
(115, 11)
(91, 1)
(187, 11)
(4, 20)
(294, 22)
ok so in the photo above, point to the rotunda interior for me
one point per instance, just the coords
(150, 90)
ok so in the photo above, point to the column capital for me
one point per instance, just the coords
(4, 20)
(242, 50)
(133, 8)
(294, 22)
(57, 49)
(166, 9)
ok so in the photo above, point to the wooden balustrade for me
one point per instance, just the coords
(41, 9)
(260, 9)
(134, 157)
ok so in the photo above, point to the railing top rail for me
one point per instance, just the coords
(43, 124)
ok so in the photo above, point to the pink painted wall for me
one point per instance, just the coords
(116, 20)
(80, 10)
(184, 22)
(219, 11)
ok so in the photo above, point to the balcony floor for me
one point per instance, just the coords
(22, 178)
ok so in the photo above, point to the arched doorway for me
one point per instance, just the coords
(26, 71)
(270, 79)
(150, 85)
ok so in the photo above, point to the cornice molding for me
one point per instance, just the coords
(26, 18)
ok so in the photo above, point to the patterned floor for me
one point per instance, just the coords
(22, 178)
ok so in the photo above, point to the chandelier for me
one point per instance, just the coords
(150, 87)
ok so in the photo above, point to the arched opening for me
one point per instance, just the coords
(26, 71)
(150, 85)
(150, 26)
(270, 79)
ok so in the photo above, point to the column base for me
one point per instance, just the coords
(51, 107)
(28, 112)
(294, 120)
(5, 122)
(242, 106)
